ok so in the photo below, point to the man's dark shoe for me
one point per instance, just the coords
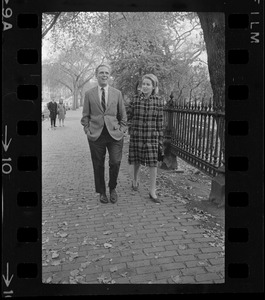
(113, 196)
(103, 198)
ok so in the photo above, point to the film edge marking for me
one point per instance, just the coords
(7, 280)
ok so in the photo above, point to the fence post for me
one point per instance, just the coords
(170, 160)
(217, 194)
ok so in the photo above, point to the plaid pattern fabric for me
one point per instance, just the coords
(145, 121)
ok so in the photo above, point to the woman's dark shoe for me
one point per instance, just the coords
(156, 200)
(135, 187)
(103, 198)
(113, 196)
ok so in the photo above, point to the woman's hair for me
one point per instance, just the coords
(154, 81)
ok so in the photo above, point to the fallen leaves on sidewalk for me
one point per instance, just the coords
(113, 269)
(107, 232)
(63, 224)
(45, 240)
(72, 255)
(176, 278)
(103, 278)
(55, 254)
(56, 263)
(218, 236)
(74, 273)
(98, 258)
(63, 235)
(75, 277)
(85, 242)
(182, 247)
(108, 245)
(124, 274)
(49, 279)
(85, 265)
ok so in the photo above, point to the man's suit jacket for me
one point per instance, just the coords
(52, 107)
(94, 117)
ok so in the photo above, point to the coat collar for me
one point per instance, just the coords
(105, 87)
(143, 98)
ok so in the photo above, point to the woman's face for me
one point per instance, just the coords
(147, 86)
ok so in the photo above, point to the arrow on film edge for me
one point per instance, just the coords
(6, 144)
(7, 279)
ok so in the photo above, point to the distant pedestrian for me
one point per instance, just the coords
(52, 107)
(104, 120)
(61, 112)
(145, 116)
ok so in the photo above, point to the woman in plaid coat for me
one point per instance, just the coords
(145, 118)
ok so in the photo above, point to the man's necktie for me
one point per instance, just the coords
(103, 103)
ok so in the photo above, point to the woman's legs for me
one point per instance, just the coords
(153, 174)
(135, 175)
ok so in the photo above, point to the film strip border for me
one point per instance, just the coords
(243, 177)
(21, 158)
(21, 152)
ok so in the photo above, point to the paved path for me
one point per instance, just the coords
(132, 241)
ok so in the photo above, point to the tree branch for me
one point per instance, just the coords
(56, 16)
(86, 80)
(64, 84)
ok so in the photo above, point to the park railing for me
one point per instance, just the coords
(196, 133)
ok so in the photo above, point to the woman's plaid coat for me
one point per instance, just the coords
(145, 122)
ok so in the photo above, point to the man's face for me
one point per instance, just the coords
(103, 76)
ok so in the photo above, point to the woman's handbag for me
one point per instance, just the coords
(160, 153)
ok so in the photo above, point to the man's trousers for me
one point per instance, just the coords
(98, 153)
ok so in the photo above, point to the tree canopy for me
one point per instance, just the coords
(169, 44)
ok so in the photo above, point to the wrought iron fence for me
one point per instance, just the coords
(196, 133)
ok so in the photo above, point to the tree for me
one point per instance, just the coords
(139, 43)
(165, 43)
(74, 53)
(48, 21)
(65, 29)
(74, 67)
(213, 26)
(162, 43)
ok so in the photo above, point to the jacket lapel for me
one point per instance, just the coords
(97, 100)
(110, 97)
(96, 97)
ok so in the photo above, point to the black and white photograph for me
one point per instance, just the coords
(133, 147)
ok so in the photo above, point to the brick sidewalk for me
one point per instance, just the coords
(132, 241)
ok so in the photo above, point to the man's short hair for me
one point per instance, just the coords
(102, 65)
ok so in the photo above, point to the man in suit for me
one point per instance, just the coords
(104, 120)
(52, 107)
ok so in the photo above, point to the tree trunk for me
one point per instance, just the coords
(213, 26)
(75, 98)
(82, 95)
